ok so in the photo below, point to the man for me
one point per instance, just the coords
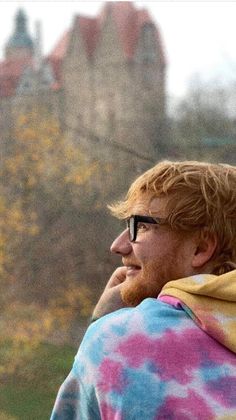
(163, 342)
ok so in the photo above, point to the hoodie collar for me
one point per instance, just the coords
(210, 300)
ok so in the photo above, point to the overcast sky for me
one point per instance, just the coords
(199, 36)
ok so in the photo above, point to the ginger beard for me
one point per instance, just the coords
(153, 274)
(147, 283)
(135, 291)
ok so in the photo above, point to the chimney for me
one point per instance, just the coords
(38, 46)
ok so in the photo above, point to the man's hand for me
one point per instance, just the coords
(110, 299)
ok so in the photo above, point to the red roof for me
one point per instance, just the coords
(128, 22)
(125, 18)
(56, 58)
(10, 73)
(90, 30)
(60, 49)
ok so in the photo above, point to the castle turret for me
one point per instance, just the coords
(20, 43)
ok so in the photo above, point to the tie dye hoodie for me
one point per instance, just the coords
(169, 358)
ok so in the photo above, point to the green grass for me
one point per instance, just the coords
(30, 393)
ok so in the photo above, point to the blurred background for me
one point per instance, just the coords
(91, 95)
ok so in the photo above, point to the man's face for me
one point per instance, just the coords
(158, 255)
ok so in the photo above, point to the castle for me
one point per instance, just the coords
(105, 80)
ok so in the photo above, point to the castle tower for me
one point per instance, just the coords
(20, 43)
(114, 83)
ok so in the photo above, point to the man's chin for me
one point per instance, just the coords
(134, 291)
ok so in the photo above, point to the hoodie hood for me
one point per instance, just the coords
(211, 302)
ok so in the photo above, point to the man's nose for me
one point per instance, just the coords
(122, 244)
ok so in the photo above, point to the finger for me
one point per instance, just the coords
(118, 276)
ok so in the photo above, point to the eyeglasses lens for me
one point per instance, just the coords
(132, 229)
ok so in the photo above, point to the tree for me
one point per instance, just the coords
(41, 173)
(202, 124)
(48, 187)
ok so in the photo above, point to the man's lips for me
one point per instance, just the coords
(132, 269)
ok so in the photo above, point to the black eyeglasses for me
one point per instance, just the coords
(133, 221)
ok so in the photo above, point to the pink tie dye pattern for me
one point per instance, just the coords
(158, 361)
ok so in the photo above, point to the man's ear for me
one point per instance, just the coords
(205, 248)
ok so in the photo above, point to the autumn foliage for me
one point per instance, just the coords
(48, 193)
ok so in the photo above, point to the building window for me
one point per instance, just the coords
(148, 43)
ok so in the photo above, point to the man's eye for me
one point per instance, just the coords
(142, 226)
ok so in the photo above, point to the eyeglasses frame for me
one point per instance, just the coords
(136, 218)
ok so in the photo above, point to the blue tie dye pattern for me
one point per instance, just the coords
(133, 365)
